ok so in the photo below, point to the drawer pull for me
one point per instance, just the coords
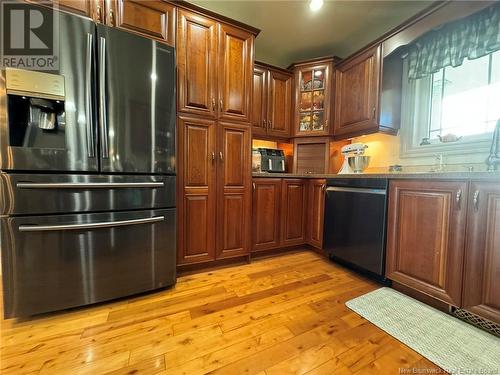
(103, 224)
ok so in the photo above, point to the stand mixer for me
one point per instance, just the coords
(354, 159)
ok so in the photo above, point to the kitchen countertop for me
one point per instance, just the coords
(395, 175)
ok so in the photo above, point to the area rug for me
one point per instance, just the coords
(453, 345)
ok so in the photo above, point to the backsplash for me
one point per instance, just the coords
(384, 151)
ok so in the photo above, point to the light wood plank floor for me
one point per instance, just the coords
(280, 315)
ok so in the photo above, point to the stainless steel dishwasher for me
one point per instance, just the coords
(355, 223)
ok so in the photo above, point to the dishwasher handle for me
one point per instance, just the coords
(356, 190)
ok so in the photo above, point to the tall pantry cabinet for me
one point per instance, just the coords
(214, 73)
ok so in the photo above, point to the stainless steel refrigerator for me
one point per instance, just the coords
(88, 172)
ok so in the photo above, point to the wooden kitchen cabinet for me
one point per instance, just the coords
(214, 190)
(196, 64)
(313, 97)
(266, 218)
(259, 101)
(235, 69)
(315, 212)
(311, 155)
(481, 287)
(357, 83)
(87, 8)
(293, 208)
(153, 18)
(197, 189)
(234, 201)
(425, 240)
(214, 68)
(214, 84)
(272, 101)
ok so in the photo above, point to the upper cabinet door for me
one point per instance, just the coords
(234, 201)
(425, 240)
(356, 94)
(482, 254)
(152, 18)
(259, 101)
(196, 64)
(313, 86)
(236, 69)
(279, 107)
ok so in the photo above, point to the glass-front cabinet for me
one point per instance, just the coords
(313, 84)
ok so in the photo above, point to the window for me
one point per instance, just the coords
(461, 104)
(465, 100)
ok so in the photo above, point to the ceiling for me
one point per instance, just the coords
(291, 32)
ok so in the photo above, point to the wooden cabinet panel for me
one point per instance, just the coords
(356, 94)
(482, 254)
(81, 7)
(259, 101)
(196, 64)
(236, 69)
(152, 18)
(234, 193)
(315, 212)
(197, 190)
(279, 104)
(313, 102)
(311, 155)
(293, 207)
(425, 244)
(266, 216)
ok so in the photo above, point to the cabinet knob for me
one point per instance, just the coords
(99, 13)
(220, 156)
(265, 123)
(213, 104)
(221, 105)
(213, 156)
(374, 111)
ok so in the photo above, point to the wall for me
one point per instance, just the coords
(384, 151)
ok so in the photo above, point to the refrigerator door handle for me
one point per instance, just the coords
(87, 185)
(88, 98)
(103, 124)
(103, 224)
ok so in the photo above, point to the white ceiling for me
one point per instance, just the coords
(291, 32)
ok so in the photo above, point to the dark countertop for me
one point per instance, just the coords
(395, 175)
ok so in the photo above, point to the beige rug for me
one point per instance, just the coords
(455, 346)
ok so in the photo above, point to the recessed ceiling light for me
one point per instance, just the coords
(315, 5)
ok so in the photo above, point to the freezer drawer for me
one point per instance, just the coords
(55, 262)
(31, 194)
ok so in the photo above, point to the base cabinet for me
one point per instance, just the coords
(214, 187)
(444, 241)
(315, 212)
(287, 212)
(266, 213)
(293, 209)
(481, 292)
(425, 242)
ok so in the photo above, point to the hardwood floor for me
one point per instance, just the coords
(280, 315)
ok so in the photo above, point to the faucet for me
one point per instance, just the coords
(494, 159)
(438, 163)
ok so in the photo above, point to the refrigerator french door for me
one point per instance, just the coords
(118, 110)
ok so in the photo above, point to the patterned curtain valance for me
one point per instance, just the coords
(472, 37)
